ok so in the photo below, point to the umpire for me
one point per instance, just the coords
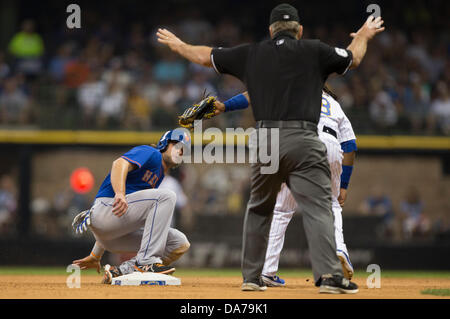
(285, 77)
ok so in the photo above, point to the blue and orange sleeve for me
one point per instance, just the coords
(139, 155)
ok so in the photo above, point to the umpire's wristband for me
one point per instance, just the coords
(345, 176)
(237, 102)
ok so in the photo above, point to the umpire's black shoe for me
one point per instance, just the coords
(337, 285)
(156, 268)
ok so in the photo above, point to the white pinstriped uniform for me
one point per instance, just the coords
(333, 117)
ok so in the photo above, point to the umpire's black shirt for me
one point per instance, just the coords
(284, 76)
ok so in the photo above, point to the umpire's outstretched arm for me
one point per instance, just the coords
(195, 53)
(202, 54)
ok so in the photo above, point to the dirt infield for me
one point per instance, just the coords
(225, 287)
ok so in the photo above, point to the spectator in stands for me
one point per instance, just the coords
(138, 112)
(415, 224)
(76, 71)
(14, 103)
(199, 85)
(439, 116)
(8, 204)
(90, 96)
(383, 111)
(117, 74)
(58, 63)
(416, 102)
(112, 107)
(169, 69)
(4, 68)
(27, 48)
(379, 204)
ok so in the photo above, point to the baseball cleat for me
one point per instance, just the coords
(110, 273)
(347, 266)
(337, 285)
(273, 281)
(155, 268)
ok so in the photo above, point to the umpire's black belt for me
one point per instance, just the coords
(329, 130)
(287, 124)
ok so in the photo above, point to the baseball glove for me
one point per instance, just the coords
(205, 109)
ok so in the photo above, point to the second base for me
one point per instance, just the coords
(146, 279)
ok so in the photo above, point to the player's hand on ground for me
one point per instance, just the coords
(88, 262)
(120, 205)
(168, 38)
(342, 197)
(371, 28)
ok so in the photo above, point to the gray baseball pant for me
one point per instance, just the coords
(144, 229)
(303, 165)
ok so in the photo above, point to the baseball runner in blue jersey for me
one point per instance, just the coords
(130, 213)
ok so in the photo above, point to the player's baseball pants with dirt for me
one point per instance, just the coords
(303, 165)
(144, 229)
(286, 205)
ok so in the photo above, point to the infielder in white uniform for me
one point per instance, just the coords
(132, 215)
(336, 132)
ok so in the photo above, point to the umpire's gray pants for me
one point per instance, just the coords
(144, 229)
(304, 166)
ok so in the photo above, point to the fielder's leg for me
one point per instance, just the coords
(341, 247)
(335, 156)
(282, 215)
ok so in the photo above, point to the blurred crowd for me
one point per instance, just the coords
(108, 77)
(407, 221)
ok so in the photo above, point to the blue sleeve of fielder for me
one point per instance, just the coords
(349, 146)
(237, 102)
(345, 176)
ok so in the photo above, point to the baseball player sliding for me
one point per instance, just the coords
(336, 132)
(131, 215)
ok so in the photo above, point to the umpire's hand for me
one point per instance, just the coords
(371, 28)
(170, 39)
(120, 205)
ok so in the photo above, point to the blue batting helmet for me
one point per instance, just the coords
(176, 135)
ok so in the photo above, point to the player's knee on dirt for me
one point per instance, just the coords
(176, 253)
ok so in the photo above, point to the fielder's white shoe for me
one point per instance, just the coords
(273, 281)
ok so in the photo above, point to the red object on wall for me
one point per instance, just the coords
(82, 180)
